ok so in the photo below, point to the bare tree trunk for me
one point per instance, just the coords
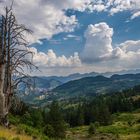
(2, 70)
(3, 112)
(2, 96)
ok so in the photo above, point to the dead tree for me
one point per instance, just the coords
(14, 58)
(2, 67)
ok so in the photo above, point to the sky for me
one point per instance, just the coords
(80, 36)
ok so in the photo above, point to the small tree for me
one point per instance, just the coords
(104, 115)
(80, 116)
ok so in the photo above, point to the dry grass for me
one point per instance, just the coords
(130, 137)
(11, 133)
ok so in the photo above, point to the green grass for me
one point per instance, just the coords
(125, 126)
(19, 131)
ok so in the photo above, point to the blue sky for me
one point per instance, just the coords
(71, 36)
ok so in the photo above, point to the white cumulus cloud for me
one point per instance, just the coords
(98, 42)
(100, 52)
(51, 60)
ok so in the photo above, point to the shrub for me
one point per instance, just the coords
(44, 138)
(97, 124)
(28, 130)
(16, 138)
(60, 129)
(27, 119)
(130, 123)
(92, 129)
(14, 119)
(49, 130)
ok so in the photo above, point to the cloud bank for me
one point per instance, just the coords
(51, 60)
(48, 17)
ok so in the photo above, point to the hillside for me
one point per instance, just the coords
(47, 90)
(90, 86)
(125, 126)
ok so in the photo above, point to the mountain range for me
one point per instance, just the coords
(90, 86)
(49, 89)
(75, 76)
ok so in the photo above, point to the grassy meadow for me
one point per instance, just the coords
(125, 126)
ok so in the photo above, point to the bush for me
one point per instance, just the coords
(49, 130)
(27, 119)
(60, 129)
(16, 138)
(13, 119)
(44, 138)
(92, 129)
(55, 131)
(97, 124)
(130, 123)
(28, 130)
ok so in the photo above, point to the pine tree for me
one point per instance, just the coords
(55, 122)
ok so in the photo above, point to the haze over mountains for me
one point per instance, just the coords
(64, 79)
(78, 85)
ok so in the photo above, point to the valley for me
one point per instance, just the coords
(46, 90)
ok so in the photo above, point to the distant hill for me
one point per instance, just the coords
(42, 82)
(91, 86)
(75, 76)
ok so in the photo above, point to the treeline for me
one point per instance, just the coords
(101, 108)
(55, 119)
